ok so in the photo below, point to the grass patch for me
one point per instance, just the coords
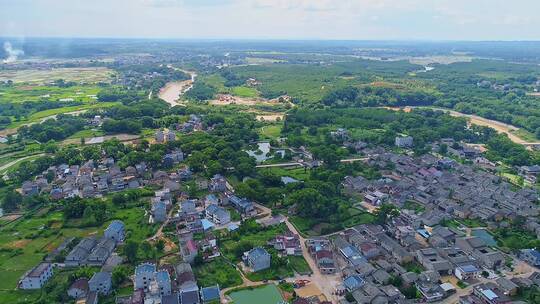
(271, 131)
(299, 264)
(217, 271)
(244, 92)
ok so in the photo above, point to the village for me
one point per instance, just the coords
(423, 253)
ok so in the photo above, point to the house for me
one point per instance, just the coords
(115, 231)
(144, 274)
(430, 292)
(101, 252)
(404, 141)
(163, 282)
(189, 250)
(210, 294)
(257, 259)
(288, 244)
(393, 294)
(37, 276)
(490, 294)
(467, 272)
(325, 261)
(185, 279)
(100, 283)
(188, 208)
(160, 136)
(531, 256)
(242, 205)
(218, 215)
(352, 255)
(159, 211)
(431, 260)
(77, 256)
(79, 289)
(369, 250)
(353, 283)
(478, 249)
(218, 183)
(375, 198)
(189, 297)
(507, 287)
(394, 248)
(30, 188)
(381, 276)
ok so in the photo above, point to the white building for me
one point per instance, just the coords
(467, 272)
(404, 141)
(37, 276)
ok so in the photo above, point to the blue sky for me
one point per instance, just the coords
(274, 19)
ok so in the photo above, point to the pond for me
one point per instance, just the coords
(269, 294)
(485, 236)
(260, 157)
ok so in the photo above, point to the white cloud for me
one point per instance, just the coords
(324, 19)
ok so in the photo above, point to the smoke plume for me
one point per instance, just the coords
(12, 53)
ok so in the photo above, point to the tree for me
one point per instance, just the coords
(146, 249)
(119, 275)
(130, 250)
(443, 149)
(119, 199)
(386, 212)
(160, 245)
(11, 201)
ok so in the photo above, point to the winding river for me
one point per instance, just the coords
(172, 91)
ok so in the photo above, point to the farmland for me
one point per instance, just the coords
(85, 75)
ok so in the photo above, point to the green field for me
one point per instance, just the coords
(39, 116)
(21, 93)
(268, 294)
(244, 92)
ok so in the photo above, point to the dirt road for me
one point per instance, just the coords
(500, 127)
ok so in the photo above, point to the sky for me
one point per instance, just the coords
(274, 19)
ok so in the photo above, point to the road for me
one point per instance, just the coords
(299, 164)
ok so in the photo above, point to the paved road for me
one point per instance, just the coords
(294, 164)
